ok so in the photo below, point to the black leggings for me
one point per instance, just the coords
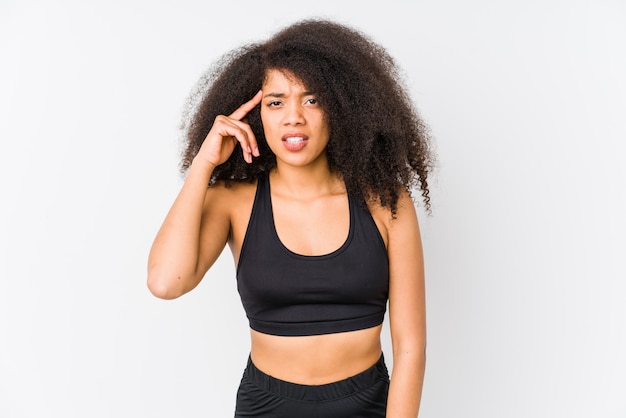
(361, 396)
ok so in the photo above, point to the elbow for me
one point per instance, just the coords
(163, 287)
(162, 292)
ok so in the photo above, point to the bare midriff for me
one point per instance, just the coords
(316, 359)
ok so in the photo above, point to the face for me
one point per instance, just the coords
(295, 126)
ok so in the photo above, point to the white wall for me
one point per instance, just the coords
(525, 248)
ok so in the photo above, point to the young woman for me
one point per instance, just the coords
(301, 155)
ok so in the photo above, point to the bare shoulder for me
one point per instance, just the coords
(235, 201)
(226, 206)
(220, 187)
(231, 195)
(387, 223)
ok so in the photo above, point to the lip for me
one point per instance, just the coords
(294, 135)
(295, 145)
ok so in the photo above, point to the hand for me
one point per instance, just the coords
(226, 132)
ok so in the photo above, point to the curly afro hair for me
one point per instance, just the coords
(378, 143)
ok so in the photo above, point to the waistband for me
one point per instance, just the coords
(317, 393)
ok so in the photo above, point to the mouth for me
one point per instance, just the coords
(295, 142)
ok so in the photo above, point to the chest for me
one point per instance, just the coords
(312, 228)
(353, 269)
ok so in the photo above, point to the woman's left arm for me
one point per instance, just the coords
(407, 311)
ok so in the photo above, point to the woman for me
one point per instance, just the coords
(310, 147)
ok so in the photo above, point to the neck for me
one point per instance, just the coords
(305, 182)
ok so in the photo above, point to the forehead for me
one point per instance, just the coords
(282, 80)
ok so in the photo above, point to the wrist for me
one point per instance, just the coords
(199, 172)
(201, 164)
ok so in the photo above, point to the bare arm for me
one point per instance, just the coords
(196, 228)
(407, 312)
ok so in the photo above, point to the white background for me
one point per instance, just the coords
(525, 248)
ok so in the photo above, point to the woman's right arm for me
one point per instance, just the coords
(196, 228)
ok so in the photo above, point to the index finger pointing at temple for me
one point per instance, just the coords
(243, 110)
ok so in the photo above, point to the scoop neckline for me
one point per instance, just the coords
(331, 254)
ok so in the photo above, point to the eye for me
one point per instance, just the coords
(274, 103)
(312, 101)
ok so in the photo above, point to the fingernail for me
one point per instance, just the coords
(256, 152)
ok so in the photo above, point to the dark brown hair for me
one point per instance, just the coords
(378, 143)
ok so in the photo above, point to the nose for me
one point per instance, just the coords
(293, 115)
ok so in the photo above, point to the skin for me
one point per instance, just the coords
(312, 218)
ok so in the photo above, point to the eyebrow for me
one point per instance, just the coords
(281, 95)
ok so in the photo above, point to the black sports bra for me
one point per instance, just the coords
(284, 293)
